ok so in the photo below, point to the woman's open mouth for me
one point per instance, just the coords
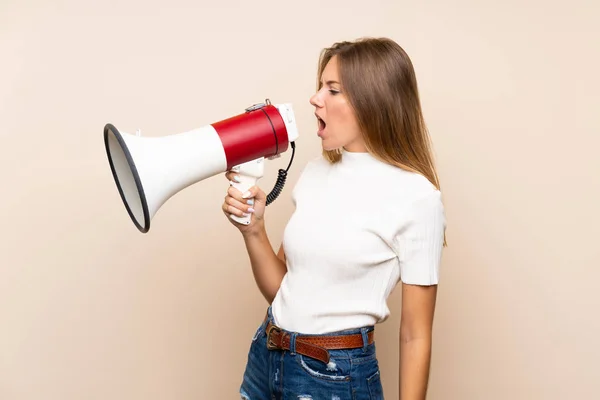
(322, 124)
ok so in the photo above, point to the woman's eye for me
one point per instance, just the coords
(333, 92)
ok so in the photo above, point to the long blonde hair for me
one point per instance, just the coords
(381, 85)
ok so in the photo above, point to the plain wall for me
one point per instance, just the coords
(92, 309)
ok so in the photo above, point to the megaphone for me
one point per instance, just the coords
(149, 170)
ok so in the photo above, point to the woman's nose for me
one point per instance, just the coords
(315, 100)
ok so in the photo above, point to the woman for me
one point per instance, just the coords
(368, 215)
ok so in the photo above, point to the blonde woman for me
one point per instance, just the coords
(368, 216)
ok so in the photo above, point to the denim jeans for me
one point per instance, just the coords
(351, 374)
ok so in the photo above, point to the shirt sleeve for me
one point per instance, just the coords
(419, 240)
(303, 179)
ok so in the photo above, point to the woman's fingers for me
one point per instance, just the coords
(245, 206)
(241, 204)
(253, 194)
(232, 176)
(236, 205)
(233, 210)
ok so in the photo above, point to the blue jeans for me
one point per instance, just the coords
(351, 374)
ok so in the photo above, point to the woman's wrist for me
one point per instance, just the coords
(257, 230)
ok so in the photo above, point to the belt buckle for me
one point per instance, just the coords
(270, 344)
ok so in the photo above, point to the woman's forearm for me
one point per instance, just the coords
(415, 358)
(268, 269)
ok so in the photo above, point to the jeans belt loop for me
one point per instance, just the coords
(293, 337)
(365, 338)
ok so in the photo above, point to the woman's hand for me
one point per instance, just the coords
(240, 204)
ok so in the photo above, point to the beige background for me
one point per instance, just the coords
(91, 309)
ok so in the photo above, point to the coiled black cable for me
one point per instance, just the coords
(281, 177)
(282, 173)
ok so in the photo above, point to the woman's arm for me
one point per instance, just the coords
(268, 268)
(416, 325)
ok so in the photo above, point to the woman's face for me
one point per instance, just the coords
(337, 123)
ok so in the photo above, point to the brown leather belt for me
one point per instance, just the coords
(316, 346)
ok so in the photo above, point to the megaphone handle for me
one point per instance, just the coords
(248, 174)
(246, 182)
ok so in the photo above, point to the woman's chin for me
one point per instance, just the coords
(326, 146)
(329, 145)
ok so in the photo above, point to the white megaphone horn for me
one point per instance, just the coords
(148, 171)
